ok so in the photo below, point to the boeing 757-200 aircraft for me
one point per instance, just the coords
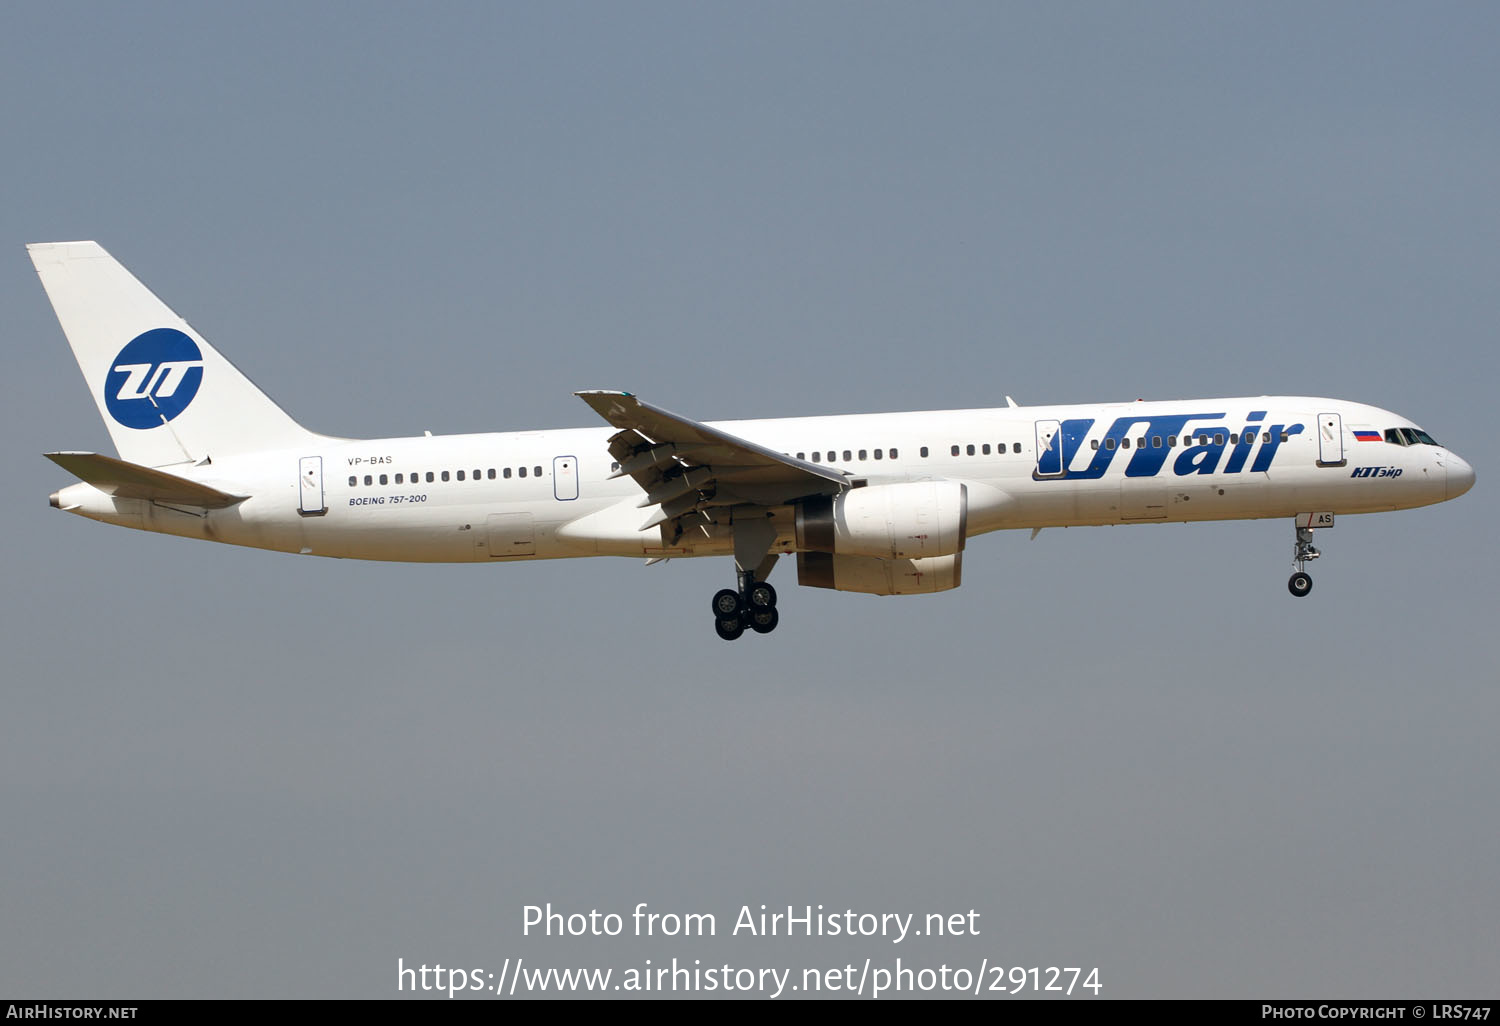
(876, 503)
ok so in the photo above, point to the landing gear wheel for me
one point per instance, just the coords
(761, 596)
(730, 629)
(764, 621)
(726, 604)
(1300, 584)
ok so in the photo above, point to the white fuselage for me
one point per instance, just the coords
(549, 494)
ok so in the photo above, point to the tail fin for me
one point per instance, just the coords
(165, 394)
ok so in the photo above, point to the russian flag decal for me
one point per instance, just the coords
(1367, 436)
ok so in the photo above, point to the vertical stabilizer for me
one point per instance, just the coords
(165, 394)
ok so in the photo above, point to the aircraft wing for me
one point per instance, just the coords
(133, 481)
(686, 467)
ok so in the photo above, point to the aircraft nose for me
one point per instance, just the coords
(1460, 476)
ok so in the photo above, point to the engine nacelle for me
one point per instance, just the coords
(917, 520)
(880, 576)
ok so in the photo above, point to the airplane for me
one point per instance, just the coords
(881, 504)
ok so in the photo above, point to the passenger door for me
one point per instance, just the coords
(1049, 461)
(1330, 440)
(310, 487)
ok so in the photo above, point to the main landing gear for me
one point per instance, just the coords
(753, 606)
(1302, 554)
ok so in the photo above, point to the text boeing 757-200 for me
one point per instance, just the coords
(874, 503)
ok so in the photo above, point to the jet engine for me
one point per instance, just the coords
(880, 576)
(917, 520)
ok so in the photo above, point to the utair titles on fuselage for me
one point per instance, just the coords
(880, 504)
(1202, 452)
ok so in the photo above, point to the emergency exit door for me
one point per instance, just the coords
(565, 477)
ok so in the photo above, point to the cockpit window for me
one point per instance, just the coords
(1408, 436)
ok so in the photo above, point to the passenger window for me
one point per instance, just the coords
(445, 475)
(1109, 444)
(1265, 436)
(384, 479)
(522, 471)
(614, 468)
(491, 474)
(476, 475)
(1016, 447)
(1094, 443)
(832, 455)
(1234, 438)
(848, 456)
(460, 475)
(429, 477)
(398, 478)
(1124, 443)
(893, 454)
(1171, 441)
(877, 454)
(1284, 436)
(536, 471)
(505, 473)
(369, 480)
(1219, 438)
(816, 458)
(970, 449)
(1156, 441)
(863, 453)
(801, 456)
(986, 448)
(353, 481)
(923, 452)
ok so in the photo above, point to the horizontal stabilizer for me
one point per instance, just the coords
(133, 481)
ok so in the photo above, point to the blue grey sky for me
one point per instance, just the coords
(231, 773)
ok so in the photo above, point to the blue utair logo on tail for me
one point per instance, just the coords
(153, 379)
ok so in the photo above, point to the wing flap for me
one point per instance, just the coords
(686, 467)
(133, 481)
(656, 425)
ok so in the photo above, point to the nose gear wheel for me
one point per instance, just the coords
(1303, 553)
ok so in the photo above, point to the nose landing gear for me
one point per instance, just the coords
(1303, 553)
